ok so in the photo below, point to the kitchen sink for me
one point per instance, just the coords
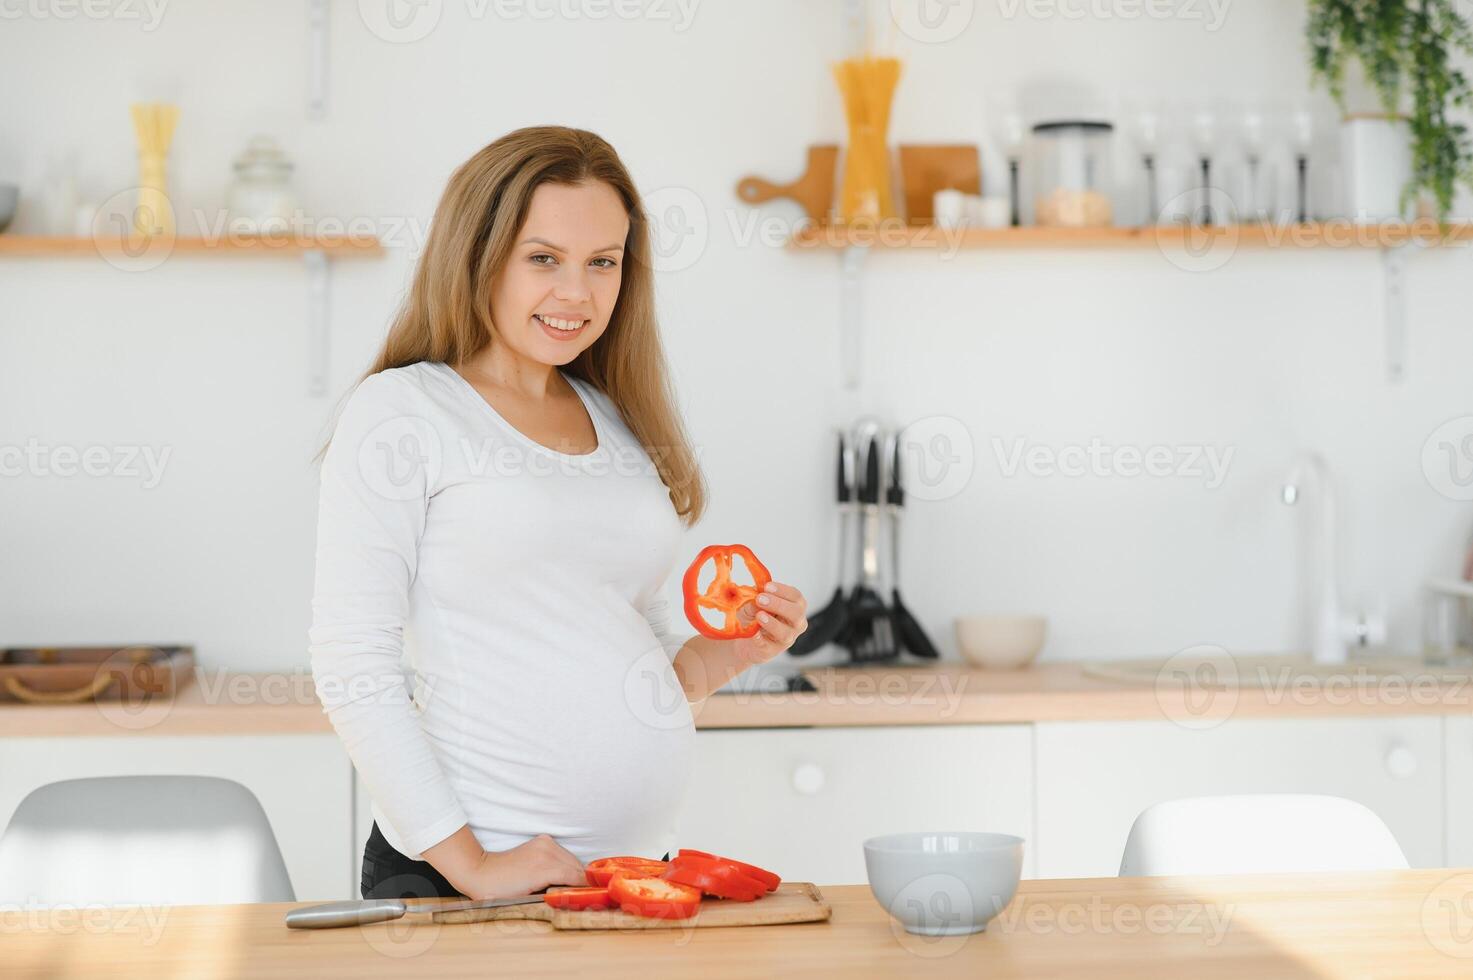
(773, 682)
(1221, 668)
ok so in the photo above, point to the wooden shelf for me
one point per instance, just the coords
(283, 246)
(1325, 234)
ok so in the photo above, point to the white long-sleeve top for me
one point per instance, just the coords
(524, 585)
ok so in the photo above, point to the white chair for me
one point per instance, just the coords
(141, 840)
(1222, 835)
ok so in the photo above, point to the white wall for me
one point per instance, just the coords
(1275, 351)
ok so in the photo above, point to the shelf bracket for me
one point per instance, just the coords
(1393, 279)
(318, 311)
(851, 313)
(1393, 284)
(317, 59)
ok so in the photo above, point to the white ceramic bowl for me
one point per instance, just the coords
(944, 883)
(1000, 642)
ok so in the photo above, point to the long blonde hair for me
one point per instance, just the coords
(446, 315)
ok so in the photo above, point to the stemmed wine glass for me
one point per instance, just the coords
(1301, 128)
(1260, 183)
(1204, 134)
(1006, 123)
(1146, 131)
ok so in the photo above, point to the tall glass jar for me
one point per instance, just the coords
(1447, 622)
(1071, 173)
(261, 198)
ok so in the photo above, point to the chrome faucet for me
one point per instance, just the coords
(1330, 633)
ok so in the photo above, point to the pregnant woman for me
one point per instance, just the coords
(503, 496)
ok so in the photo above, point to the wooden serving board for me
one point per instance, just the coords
(926, 169)
(62, 675)
(814, 190)
(794, 901)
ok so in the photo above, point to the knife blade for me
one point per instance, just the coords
(333, 915)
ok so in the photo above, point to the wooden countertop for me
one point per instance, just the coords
(222, 703)
(1393, 924)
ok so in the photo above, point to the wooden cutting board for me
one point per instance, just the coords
(814, 190)
(926, 169)
(61, 675)
(794, 901)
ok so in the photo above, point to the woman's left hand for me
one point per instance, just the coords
(781, 614)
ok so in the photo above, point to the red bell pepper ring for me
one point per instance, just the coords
(723, 594)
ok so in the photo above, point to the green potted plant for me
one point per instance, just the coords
(1405, 50)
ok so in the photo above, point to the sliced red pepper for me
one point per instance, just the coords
(717, 879)
(769, 880)
(654, 897)
(723, 595)
(600, 871)
(576, 899)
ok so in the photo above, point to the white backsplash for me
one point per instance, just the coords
(207, 357)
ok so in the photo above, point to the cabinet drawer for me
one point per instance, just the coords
(802, 800)
(1458, 746)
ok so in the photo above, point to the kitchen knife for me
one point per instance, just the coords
(335, 914)
(870, 636)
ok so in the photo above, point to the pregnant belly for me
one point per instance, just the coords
(598, 791)
(604, 770)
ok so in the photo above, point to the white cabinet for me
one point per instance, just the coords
(304, 783)
(1094, 778)
(802, 800)
(1458, 750)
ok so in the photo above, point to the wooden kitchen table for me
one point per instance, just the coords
(1393, 924)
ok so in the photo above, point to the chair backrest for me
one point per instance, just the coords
(141, 840)
(1219, 835)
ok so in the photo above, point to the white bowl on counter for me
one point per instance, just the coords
(1000, 642)
(944, 883)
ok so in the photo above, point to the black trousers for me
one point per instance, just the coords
(389, 874)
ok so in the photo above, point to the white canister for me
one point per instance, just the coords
(949, 207)
(993, 212)
(1376, 164)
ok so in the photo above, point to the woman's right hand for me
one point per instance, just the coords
(524, 869)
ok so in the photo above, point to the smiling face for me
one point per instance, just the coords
(557, 291)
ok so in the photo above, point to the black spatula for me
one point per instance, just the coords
(826, 624)
(912, 638)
